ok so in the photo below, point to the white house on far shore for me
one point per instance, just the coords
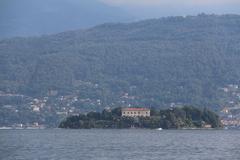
(135, 112)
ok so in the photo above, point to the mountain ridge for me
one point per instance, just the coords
(32, 17)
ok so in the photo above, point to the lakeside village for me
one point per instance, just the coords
(20, 111)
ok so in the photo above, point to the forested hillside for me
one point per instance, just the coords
(152, 63)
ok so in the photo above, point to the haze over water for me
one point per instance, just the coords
(57, 144)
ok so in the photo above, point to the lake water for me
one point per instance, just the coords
(133, 144)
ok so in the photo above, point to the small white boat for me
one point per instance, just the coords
(159, 129)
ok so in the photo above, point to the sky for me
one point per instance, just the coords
(161, 8)
(37, 17)
(171, 2)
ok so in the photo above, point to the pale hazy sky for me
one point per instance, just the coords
(172, 2)
(159, 8)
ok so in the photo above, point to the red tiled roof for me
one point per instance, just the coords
(135, 109)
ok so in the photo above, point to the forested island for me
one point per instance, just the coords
(173, 118)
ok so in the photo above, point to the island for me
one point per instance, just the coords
(173, 118)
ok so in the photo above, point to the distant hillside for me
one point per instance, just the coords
(36, 17)
(152, 63)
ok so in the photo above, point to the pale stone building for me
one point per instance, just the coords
(135, 112)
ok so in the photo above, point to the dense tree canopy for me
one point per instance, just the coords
(174, 118)
(157, 62)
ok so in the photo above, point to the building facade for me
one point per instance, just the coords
(135, 112)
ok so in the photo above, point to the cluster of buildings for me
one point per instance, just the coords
(231, 123)
(230, 114)
(62, 106)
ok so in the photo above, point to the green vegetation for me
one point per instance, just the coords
(157, 62)
(175, 118)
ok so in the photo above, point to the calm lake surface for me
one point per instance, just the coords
(133, 144)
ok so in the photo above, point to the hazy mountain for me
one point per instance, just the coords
(157, 62)
(34, 17)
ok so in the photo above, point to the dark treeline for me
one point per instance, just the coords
(174, 118)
